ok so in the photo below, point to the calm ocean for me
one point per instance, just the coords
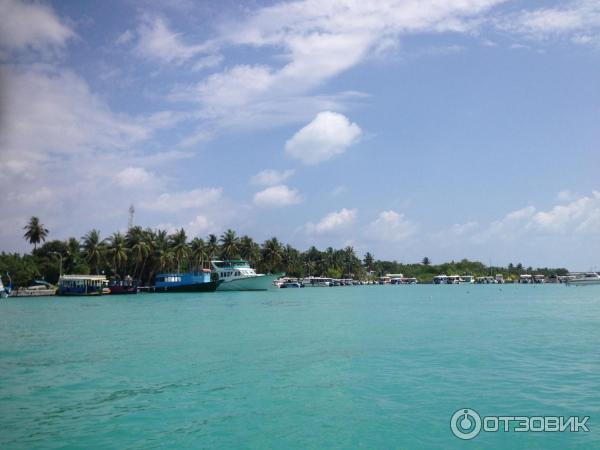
(350, 367)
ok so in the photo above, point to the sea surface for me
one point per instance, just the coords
(374, 367)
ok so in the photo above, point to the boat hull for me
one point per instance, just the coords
(255, 283)
(122, 290)
(592, 282)
(78, 293)
(209, 286)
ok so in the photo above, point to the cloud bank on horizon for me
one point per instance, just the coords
(463, 128)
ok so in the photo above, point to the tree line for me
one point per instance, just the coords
(143, 252)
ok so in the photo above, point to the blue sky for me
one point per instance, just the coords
(447, 129)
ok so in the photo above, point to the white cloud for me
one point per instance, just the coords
(157, 41)
(200, 225)
(580, 216)
(132, 177)
(54, 112)
(565, 196)
(270, 177)
(328, 135)
(178, 201)
(391, 226)
(578, 20)
(31, 25)
(316, 40)
(277, 196)
(333, 221)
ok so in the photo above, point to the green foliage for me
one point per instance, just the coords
(142, 253)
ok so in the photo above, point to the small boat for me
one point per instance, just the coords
(440, 279)
(185, 282)
(126, 286)
(84, 285)
(317, 282)
(39, 288)
(237, 275)
(5, 290)
(587, 279)
(291, 284)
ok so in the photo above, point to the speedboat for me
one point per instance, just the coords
(291, 284)
(585, 280)
(237, 275)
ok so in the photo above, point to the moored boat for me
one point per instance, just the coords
(185, 282)
(587, 279)
(83, 285)
(237, 275)
(5, 290)
(120, 287)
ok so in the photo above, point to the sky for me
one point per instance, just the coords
(408, 128)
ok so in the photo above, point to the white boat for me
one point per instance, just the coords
(5, 290)
(237, 275)
(440, 279)
(585, 280)
(317, 282)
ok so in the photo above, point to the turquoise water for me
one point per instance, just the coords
(349, 367)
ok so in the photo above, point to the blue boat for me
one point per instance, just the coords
(185, 282)
(82, 285)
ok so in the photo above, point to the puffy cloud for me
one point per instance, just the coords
(31, 25)
(178, 201)
(391, 226)
(316, 40)
(578, 216)
(200, 225)
(270, 177)
(132, 177)
(328, 135)
(333, 221)
(277, 196)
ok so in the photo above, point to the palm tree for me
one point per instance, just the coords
(178, 244)
(139, 247)
(271, 253)
(117, 250)
(198, 251)
(212, 246)
(229, 244)
(291, 260)
(35, 232)
(369, 260)
(163, 256)
(249, 250)
(93, 249)
(426, 261)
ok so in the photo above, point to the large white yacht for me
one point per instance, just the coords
(237, 275)
(585, 279)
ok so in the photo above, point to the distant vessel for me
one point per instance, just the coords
(126, 286)
(237, 275)
(5, 291)
(585, 280)
(440, 279)
(291, 284)
(185, 282)
(317, 282)
(81, 285)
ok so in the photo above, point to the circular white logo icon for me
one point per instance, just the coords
(465, 423)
